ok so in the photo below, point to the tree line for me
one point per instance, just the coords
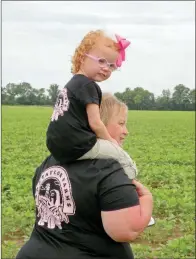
(181, 99)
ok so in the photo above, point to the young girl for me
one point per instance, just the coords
(76, 130)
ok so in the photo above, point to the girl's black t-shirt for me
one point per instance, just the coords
(69, 199)
(69, 135)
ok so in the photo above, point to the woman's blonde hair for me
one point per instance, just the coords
(109, 105)
(90, 39)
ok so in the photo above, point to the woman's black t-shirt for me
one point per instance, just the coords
(69, 135)
(69, 199)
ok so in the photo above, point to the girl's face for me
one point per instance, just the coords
(116, 125)
(99, 69)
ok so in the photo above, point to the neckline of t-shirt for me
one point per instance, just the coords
(80, 75)
(90, 80)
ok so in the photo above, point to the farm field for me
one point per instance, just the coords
(161, 142)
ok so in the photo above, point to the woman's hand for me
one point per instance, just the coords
(141, 189)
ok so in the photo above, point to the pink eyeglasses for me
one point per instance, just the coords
(103, 62)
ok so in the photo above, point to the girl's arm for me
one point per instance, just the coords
(96, 123)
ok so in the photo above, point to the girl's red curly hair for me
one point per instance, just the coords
(88, 42)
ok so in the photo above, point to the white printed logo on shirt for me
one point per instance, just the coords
(53, 197)
(62, 105)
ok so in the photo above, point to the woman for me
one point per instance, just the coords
(88, 208)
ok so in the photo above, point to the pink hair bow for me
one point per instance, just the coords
(123, 43)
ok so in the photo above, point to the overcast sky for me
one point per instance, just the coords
(39, 38)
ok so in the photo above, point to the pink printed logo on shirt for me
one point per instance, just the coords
(53, 198)
(62, 105)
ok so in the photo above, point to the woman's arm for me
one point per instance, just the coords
(124, 225)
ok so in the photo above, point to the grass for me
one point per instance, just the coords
(162, 144)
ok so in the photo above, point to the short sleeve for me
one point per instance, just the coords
(89, 93)
(116, 190)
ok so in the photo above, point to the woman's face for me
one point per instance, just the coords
(117, 125)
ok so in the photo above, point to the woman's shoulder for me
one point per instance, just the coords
(48, 162)
(115, 190)
(111, 170)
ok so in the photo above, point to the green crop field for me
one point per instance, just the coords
(161, 143)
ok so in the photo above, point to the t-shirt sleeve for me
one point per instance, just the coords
(89, 93)
(116, 190)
